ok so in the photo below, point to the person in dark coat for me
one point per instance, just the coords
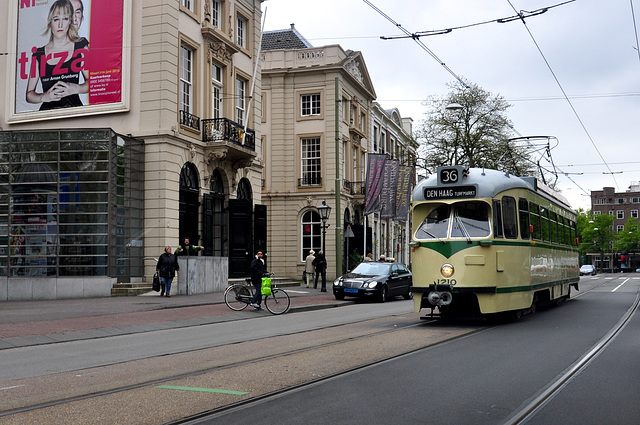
(257, 272)
(186, 248)
(167, 268)
(320, 264)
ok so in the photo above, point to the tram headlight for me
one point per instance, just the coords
(446, 270)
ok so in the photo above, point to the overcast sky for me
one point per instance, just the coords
(589, 45)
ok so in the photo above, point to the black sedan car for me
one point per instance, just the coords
(375, 279)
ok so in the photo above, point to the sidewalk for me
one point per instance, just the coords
(28, 323)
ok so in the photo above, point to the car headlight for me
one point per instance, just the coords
(371, 284)
(337, 282)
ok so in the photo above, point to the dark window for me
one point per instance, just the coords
(497, 219)
(523, 206)
(509, 217)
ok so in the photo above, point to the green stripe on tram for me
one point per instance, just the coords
(451, 248)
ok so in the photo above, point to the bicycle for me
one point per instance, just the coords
(239, 295)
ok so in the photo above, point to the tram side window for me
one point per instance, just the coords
(544, 219)
(523, 207)
(497, 219)
(435, 225)
(509, 217)
(535, 221)
(573, 232)
(553, 227)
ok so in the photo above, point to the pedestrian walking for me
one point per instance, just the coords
(167, 268)
(309, 269)
(320, 264)
(257, 272)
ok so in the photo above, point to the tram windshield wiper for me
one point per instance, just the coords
(461, 225)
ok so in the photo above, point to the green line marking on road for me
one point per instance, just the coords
(202, 390)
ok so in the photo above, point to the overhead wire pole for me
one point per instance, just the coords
(253, 80)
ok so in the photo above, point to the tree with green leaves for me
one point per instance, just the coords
(469, 127)
(629, 237)
(598, 236)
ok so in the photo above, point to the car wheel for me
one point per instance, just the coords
(408, 295)
(383, 294)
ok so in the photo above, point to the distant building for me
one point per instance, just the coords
(621, 206)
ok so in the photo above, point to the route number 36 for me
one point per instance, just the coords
(449, 175)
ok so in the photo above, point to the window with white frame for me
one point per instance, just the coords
(216, 13)
(187, 4)
(311, 233)
(311, 161)
(186, 78)
(354, 159)
(620, 214)
(241, 89)
(635, 200)
(310, 104)
(241, 32)
(619, 228)
(376, 132)
(383, 142)
(600, 201)
(216, 91)
(597, 212)
(634, 213)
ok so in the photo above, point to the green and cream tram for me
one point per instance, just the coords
(485, 242)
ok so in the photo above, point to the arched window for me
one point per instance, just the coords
(216, 185)
(244, 189)
(311, 233)
(189, 203)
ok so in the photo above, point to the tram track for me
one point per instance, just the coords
(355, 335)
(555, 387)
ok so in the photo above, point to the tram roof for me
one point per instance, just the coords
(488, 183)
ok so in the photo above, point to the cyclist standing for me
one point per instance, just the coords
(257, 271)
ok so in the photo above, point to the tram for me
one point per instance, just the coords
(486, 242)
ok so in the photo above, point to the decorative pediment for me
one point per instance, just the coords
(353, 68)
(356, 67)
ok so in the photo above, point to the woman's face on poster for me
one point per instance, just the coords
(60, 23)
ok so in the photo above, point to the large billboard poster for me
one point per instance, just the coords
(70, 58)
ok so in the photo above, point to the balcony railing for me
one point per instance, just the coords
(225, 130)
(189, 120)
(354, 188)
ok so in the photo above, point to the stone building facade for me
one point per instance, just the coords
(163, 142)
(318, 126)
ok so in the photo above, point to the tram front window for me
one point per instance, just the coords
(436, 225)
(470, 220)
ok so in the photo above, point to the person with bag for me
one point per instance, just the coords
(257, 272)
(167, 268)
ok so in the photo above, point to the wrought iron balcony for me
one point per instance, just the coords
(354, 188)
(189, 120)
(223, 141)
(225, 130)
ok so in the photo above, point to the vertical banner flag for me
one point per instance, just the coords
(403, 192)
(389, 185)
(373, 185)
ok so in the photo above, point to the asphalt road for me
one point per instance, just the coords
(484, 377)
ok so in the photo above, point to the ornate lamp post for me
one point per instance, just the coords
(325, 211)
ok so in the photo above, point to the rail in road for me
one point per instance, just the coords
(206, 383)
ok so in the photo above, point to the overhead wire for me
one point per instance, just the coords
(575, 112)
(418, 42)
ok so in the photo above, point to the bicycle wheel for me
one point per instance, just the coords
(278, 302)
(237, 297)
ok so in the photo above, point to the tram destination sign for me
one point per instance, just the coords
(450, 192)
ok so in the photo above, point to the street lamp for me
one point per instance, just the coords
(324, 211)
